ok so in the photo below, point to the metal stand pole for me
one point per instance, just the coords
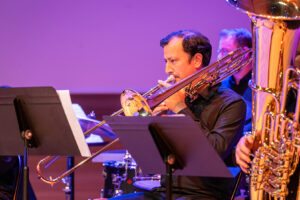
(27, 136)
(69, 180)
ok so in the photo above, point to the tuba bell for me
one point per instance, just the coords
(275, 88)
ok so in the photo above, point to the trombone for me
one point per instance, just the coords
(47, 160)
(207, 76)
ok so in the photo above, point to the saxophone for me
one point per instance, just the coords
(275, 125)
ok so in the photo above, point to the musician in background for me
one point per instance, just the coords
(219, 112)
(230, 40)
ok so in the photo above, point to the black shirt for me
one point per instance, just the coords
(242, 89)
(220, 116)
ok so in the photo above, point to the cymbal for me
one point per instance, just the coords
(147, 184)
(113, 155)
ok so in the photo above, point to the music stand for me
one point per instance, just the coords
(195, 154)
(45, 121)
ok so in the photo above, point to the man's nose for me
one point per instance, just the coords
(169, 69)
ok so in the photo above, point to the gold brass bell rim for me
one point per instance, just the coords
(271, 9)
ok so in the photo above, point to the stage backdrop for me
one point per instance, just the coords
(99, 46)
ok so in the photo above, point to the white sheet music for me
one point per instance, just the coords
(65, 99)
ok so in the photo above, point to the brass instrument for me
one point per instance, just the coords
(276, 31)
(50, 159)
(133, 103)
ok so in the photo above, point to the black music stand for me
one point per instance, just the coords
(194, 155)
(37, 118)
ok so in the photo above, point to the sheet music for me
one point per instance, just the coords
(64, 96)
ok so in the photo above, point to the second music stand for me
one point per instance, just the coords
(194, 153)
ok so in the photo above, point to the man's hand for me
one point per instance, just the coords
(243, 152)
(176, 101)
(160, 108)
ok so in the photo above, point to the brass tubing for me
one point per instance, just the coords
(52, 181)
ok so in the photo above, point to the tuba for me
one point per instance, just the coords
(275, 88)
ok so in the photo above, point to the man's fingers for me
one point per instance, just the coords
(242, 154)
(163, 83)
(243, 165)
(159, 108)
(245, 157)
(245, 170)
(249, 141)
(244, 151)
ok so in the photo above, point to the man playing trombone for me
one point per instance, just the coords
(220, 114)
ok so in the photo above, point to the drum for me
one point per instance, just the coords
(118, 178)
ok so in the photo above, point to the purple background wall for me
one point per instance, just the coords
(99, 46)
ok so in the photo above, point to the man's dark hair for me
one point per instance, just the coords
(242, 36)
(193, 42)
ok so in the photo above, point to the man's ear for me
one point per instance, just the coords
(197, 60)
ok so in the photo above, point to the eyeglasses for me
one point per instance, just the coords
(223, 51)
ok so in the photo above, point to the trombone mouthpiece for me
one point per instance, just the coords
(170, 79)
